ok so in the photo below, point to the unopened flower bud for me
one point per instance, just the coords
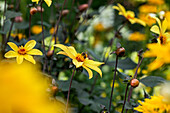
(54, 89)
(33, 10)
(134, 83)
(49, 53)
(10, 6)
(83, 7)
(18, 19)
(120, 52)
(39, 9)
(64, 12)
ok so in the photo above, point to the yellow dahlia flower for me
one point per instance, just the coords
(80, 59)
(23, 52)
(129, 15)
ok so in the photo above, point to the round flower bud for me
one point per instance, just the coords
(54, 89)
(10, 6)
(64, 12)
(18, 19)
(134, 82)
(39, 9)
(83, 7)
(33, 10)
(120, 52)
(49, 53)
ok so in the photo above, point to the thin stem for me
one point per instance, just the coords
(30, 27)
(135, 76)
(125, 98)
(114, 77)
(69, 90)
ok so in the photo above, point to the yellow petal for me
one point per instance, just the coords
(164, 26)
(132, 21)
(29, 58)
(89, 71)
(94, 68)
(29, 45)
(13, 46)
(155, 29)
(62, 53)
(76, 63)
(167, 35)
(95, 63)
(34, 52)
(115, 7)
(72, 50)
(140, 21)
(65, 49)
(157, 63)
(158, 21)
(19, 59)
(35, 1)
(11, 54)
(122, 9)
(48, 2)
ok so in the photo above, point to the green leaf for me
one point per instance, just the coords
(85, 101)
(123, 76)
(12, 14)
(22, 25)
(128, 105)
(123, 64)
(93, 54)
(152, 81)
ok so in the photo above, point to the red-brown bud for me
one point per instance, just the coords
(49, 53)
(10, 6)
(134, 82)
(54, 89)
(33, 10)
(120, 52)
(39, 9)
(64, 12)
(18, 19)
(83, 7)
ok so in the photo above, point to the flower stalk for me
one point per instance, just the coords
(125, 97)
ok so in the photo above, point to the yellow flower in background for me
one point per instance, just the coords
(24, 90)
(137, 36)
(147, 19)
(153, 105)
(161, 52)
(80, 59)
(99, 27)
(36, 29)
(160, 29)
(167, 16)
(156, 2)
(129, 15)
(19, 35)
(48, 2)
(23, 52)
(148, 9)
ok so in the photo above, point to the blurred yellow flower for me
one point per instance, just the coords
(19, 35)
(36, 29)
(167, 16)
(99, 27)
(147, 19)
(153, 105)
(156, 2)
(23, 52)
(24, 90)
(162, 52)
(160, 29)
(137, 36)
(48, 2)
(80, 59)
(129, 15)
(148, 9)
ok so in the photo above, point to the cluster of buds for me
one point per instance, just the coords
(18, 19)
(34, 10)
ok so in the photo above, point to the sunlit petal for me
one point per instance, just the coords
(140, 22)
(89, 71)
(164, 26)
(20, 59)
(48, 2)
(29, 45)
(65, 49)
(35, 1)
(34, 52)
(158, 21)
(94, 68)
(72, 50)
(122, 9)
(13, 46)
(91, 62)
(30, 58)
(157, 63)
(76, 63)
(155, 29)
(62, 53)
(11, 54)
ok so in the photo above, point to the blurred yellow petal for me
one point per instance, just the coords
(30, 58)
(115, 7)
(95, 63)
(11, 54)
(157, 63)
(94, 68)
(35, 1)
(62, 53)
(155, 29)
(48, 2)
(164, 26)
(122, 9)
(76, 63)
(30, 44)
(140, 22)
(89, 71)
(158, 21)
(34, 52)
(20, 59)
(65, 49)
(13, 46)
(72, 50)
